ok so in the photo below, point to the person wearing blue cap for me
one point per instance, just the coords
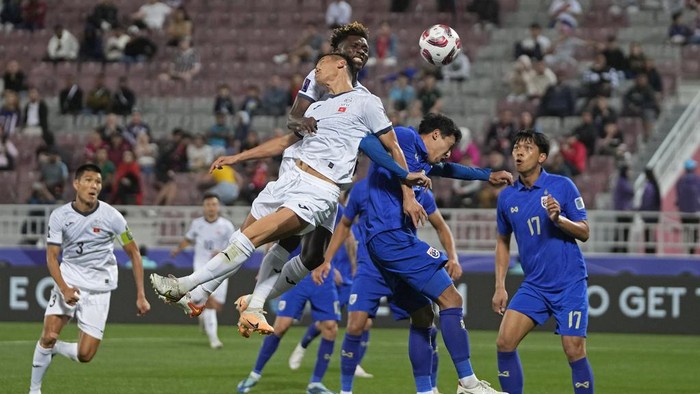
(688, 202)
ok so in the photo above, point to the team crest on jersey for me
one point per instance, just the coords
(434, 253)
(353, 299)
(543, 201)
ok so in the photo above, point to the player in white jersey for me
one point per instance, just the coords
(84, 231)
(209, 234)
(307, 196)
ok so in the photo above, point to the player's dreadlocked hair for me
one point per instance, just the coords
(351, 29)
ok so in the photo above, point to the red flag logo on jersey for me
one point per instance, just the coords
(342, 109)
(96, 230)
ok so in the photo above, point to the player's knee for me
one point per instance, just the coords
(48, 341)
(504, 344)
(311, 258)
(85, 357)
(368, 324)
(575, 350)
(329, 329)
(423, 317)
(356, 325)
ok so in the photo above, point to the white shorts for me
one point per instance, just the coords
(314, 200)
(90, 311)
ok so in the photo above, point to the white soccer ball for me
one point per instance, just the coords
(439, 45)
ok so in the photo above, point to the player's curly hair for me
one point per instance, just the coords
(351, 29)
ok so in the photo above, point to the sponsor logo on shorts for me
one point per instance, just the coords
(434, 253)
(353, 299)
(303, 207)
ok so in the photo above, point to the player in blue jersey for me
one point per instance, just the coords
(547, 215)
(412, 268)
(368, 286)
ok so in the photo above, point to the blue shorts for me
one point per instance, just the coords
(344, 294)
(569, 307)
(323, 299)
(367, 292)
(413, 270)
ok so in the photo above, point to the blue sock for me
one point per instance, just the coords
(311, 333)
(268, 348)
(582, 376)
(456, 340)
(349, 354)
(420, 354)
(433, 345)
(510, 372)
(325, 351)
(364, 342)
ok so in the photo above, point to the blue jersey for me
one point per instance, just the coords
(341, 260)
(551, 259)
(385, 201)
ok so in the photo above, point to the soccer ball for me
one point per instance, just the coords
(439, 45)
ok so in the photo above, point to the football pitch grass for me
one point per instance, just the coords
(177, 359)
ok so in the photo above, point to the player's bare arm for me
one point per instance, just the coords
(578, 230)
(142, 305)
(270, 148)
(70, 294)
(296, 121)
(180, 247)
(340, 234)
(448, 243)
(351, 249)
(500, 295)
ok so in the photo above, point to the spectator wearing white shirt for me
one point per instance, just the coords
(338, 13)
(114, 50)
(565, 11)
(199, 154)
(62, 45)
(152, 15)
(459, 70)
(542, 78)
(535, 46)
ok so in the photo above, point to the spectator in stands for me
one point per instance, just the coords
(575, 154)
(679, 33)
(542, 78)
(8, 153)
(259, 177)
(53, 172)
(179, 27)
(488, 196)
(558, 100)
(465, 193)
(94, 143)
(614, 56)
(630, 6)
(564, 11)
(611, 140)
(556, 164)
(501, 133)
(600, 79)
(527, 122)
(466, 147)
(127, 187)
(146, 153)
(640, 101)
(535, 46)
(172, 158)
(275, 97)
(519, 78)
(140, 48)
(636, 60)
(222, 183)
(186, 64)
(116, 44)
(651, 207)
(199, 154)
(111, 127)
(151, 15)
(306, 48)
(91, 44)
(218, 135)
(223, 102)
(459, 70)
(123, 98)
(430, 96)
(655, 80)
(623, 194)
(34, 14)
(250, 107)
(71, 97)
(602, 113)
(99, 99)
(11, 14)
(135, 128)
(14, 78)
(105, 15)
(399, 5)
(36, 115)
(688, 202)
(10, 114)
(402, 94)
(107, 169)
(587, 132)
(338, 14)
(385, 47)
(63, 46)
(487, 11)
(252, 140)
(117, 146)
(563, 49)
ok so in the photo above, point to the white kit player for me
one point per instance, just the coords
(209, 234)
(84, 231)
(306, 196)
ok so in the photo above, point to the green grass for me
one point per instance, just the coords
(176, 359)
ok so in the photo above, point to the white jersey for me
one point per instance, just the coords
(343, 120)
(87, 242)
(209, 238)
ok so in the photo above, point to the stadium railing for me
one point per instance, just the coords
(473, 229)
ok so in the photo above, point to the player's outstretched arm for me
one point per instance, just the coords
(270, 148)
(132, 250)
(500, 295)
(459, 171)
(448, 243)
(70, 294)
(374, 149)
(180, 247)
(340, 234)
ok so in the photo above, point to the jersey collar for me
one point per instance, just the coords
(539, 183)
(88, 213)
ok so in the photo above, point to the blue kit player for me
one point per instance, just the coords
(547, 215)
(412, 268)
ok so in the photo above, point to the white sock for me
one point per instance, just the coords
(255, 375)
(292, 272)
(40, 364)
(211, 324)
(469, 381)
(66, 349)
(346, 392)
(273, 261)
(262, 291)
(222, 265)
(200, 294)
